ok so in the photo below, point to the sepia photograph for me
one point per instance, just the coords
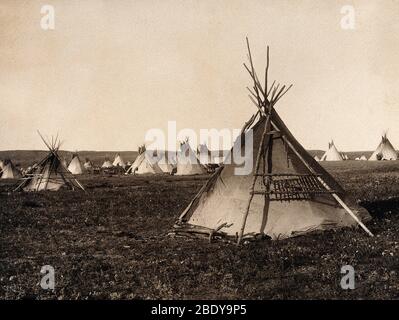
(195, 151)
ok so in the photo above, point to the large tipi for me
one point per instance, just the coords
(332, 153)
(75, 166)
(118, 161)
(9, 171)
(287, 193)
(384, 151)
(49, 174)
(187, 161)
(145, 163)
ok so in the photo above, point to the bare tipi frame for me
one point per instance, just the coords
(49, 172)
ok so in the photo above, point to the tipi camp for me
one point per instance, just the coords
(332, 153)
(75, 166)
(9, 171)
(118, 161)
(187, 161)
(49, 174)
(287, 193)
(384, 151)
(144, 163)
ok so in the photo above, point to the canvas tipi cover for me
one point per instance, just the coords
(107, 164)
(332, 153)
(187, 161)
(287, 193)
(384, 151)
(9, 171)
(88, 164)
(118, 161)
(204, 154)
(75, 166)
(165, 162)
(144, 163)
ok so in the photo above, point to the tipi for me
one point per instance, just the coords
(144, 163)
(88, 165)
(9, 171)
(49, 174)
(107, 164)
(187, 161)
(165, 161)
(384, 151)
(316, 158)
(363, 157)
(75, 166)
(332, 153)
(287, 193)
(118, 161)
(204, 155)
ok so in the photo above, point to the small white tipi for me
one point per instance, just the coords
(165, 161)
(75, 166)
(187, 161)
(332, 153)
(384, 151)
(144, 163)
(88, 164)
(107, 164)
(9, 171)
(118, 161)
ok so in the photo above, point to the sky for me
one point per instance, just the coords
(112, 70)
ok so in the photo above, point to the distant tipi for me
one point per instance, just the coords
(49, 174)
(187, 161)
(107, 164)
(75, 166)
(118, 161)
(9, 171)
(332, 153)
(144, 163)
(384, 151)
